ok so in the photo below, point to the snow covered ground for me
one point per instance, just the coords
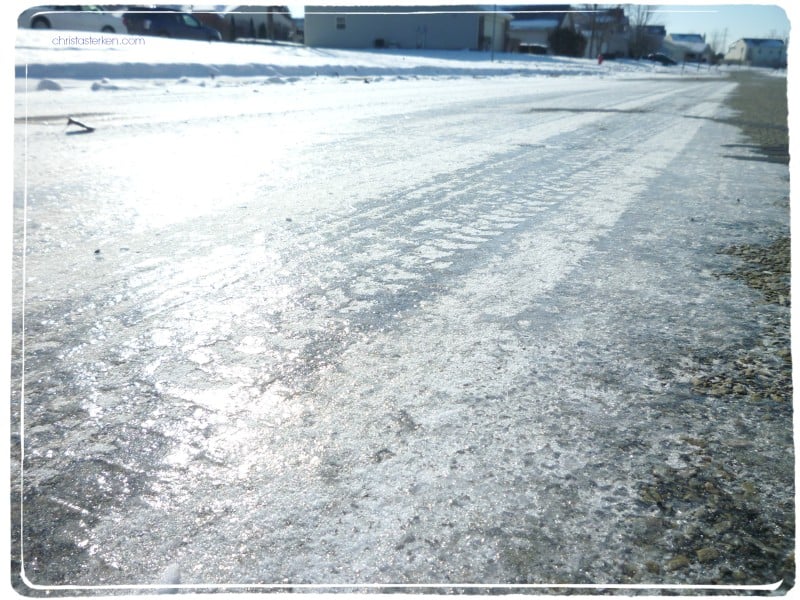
(308, 317)
(49, 54)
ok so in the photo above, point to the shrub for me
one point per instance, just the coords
(566, 42)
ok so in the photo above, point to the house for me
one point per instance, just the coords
(687, 47)
(259, 22)
(464, 27)
(299, 27)
(757, 53)
(603, 31)
(606, 31)
(532, 25)
(649, 38)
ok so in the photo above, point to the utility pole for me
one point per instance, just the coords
(270, 24)
(494, 29)
(593, 23)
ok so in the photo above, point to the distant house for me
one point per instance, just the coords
(465, 27)
(606, 31)
(653, 37)
(532, 26)
(299, 25)
(687, 47)
(259, 22)
(757, 53)
(646, 39)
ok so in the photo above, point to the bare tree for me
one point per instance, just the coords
(603, 25)
(640, 17)
(719, 41)
(592, 13)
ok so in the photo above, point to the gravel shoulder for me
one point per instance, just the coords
(762, 103)
(758, 376)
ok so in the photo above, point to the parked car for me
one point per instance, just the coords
(168, 23)
(661, 58)
(73, 18)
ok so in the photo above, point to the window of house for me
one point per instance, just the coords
(340, 23)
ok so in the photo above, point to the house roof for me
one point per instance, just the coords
(536, 7)
(535, 12)
(404, 8)
(279, 13)
(656, 29)
(600, 16)
(690, 42)
(687, 38)
(766, 43)
(534, 24)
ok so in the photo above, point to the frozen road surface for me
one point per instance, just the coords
(399, 332)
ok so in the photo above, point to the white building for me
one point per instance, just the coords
(606, 32)
(446, 27)
(261, 22)
(687, 47)
(757, 52)
(532, 35)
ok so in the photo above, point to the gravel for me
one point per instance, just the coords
(762, 103)
(729, 525)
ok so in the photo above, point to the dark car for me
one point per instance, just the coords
(661, 58)
(168, 23)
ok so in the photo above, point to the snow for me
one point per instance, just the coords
(77, 55)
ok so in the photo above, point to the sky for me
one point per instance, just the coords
(723, 23)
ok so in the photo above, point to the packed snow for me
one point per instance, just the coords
(51, 54)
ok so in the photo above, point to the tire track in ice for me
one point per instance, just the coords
(363, 270)
(418, 424)
(389, 462)
(416, 240)
(329, 430)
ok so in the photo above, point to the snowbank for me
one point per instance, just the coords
(76, 55)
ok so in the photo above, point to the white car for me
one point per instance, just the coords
(72, 18)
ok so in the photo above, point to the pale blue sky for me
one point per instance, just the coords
(732, 22)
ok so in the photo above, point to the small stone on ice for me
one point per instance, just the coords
(707, 554)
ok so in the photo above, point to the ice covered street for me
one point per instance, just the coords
(392, 330)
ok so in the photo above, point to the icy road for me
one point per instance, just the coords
(391, 331)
